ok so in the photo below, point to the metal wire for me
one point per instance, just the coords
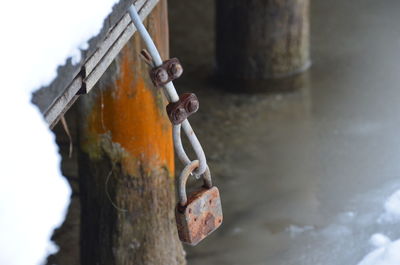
(172, 96)
(180, 152)
(152, 49)
(183, 177)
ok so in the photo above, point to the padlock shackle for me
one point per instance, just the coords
(183, 177)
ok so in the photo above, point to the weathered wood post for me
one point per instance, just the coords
(126, 163)
(262, 39)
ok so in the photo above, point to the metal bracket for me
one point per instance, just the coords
(170, 70)
(182, 109)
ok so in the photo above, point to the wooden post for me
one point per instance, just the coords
(126, 163)
(262, 39)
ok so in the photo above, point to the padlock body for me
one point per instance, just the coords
(200, 217)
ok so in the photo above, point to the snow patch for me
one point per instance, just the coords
(387, 254)
(392, 209)
(33, 194)
(379, 240)
(38, 36)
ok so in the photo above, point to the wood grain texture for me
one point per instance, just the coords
(262, 39)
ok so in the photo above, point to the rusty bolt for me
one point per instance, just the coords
(190, 101)
(176, 113)
(161, 75)
(182, 109)
(175, 70)
(192, 105)
(179, 115)
(170, 69)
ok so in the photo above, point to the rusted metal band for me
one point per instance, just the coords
(169, 70)
(183, 177)
(179, 111)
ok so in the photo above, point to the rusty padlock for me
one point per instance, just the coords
(200, 213)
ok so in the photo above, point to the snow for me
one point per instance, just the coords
(386, 252)
(44, 34)
(36, 37)
(379, 240)
(392, 209)
(33, 195)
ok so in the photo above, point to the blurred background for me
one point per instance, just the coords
(304, 166)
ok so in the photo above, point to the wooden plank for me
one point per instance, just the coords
(109, 57)
(93, 68)
(46, 95)
(113, 35)
(63, 103)
(269, 38)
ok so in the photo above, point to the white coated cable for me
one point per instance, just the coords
(172, 95)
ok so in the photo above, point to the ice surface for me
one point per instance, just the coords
(36, 37)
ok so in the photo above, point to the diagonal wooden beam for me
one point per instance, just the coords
(95, 65)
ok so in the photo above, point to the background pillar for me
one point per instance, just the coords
(262, 39)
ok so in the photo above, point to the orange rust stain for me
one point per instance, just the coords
(129, 111)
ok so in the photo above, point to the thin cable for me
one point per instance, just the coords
(152, 49)
(66, 129)
(172, 96)
(108, 194)
(180, 151)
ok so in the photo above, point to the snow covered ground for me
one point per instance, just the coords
(346, 233)
(344, 238)
(386, 252)
(36, 37)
